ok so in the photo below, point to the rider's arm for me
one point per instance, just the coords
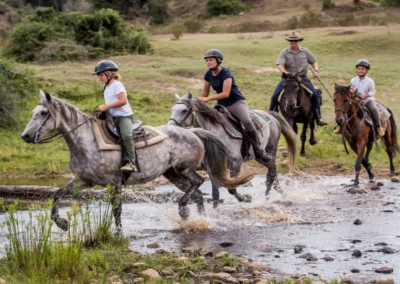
(122, 100)
(206, 89)
(315, 69)
(281, 68)
(226, 90)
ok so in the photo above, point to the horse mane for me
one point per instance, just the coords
(60, 108)
(206, 111)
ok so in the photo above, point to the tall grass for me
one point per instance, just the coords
(35, 251)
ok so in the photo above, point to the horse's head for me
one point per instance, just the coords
(291, 87)
(182, 111)
(43, 120)
(343, 97)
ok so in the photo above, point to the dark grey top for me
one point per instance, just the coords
(296, 62)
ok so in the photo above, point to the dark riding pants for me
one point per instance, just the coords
(125, 126)
(371, 105)
(240, 110)
(314, 99)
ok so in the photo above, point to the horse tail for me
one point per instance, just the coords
(290, 137)
(216, 159)
(394, 146)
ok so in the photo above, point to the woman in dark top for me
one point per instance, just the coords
(229, 95)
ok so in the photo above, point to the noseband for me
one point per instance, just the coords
(297, 93)
(188, 113)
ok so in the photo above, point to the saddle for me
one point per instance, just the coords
(307, 90)
(108, 137)
(383, 112)
(236, 130)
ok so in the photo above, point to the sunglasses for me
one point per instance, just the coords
(293, 40)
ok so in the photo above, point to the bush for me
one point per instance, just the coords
(3, 8)
(217, 29)
(16, 85)
(225, 7)
(159, 11)
(100, 33)
(177, 30)
(391, 3)
(328, 4)
(193, 26)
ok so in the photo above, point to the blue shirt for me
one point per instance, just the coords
(217, 83)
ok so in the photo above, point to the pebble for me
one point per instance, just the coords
(357, 222)
(153, 245)
(355, 270)
(298, 249)
(384, 270)
(222, 254)
(387, 250)
(258, 266)
(150, 273)
(309, 257)
(356, 253)
(229, 269)
(328, 258)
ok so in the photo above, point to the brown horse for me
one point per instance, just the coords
(296, 108)
(358, 133)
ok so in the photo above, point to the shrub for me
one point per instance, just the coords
(177, 30)
(217, 29)
(15, 86)
(390, 3)
(328, 4)
(192, 26)
(3, 8)
(159, 11)
(62, 50)
(225, 7)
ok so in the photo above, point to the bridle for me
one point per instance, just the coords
(188, 113)
(38, 134)
(297, 93)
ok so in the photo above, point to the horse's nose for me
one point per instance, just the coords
(339, 121)
(26, 137)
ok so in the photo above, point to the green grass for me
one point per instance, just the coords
(177, 66)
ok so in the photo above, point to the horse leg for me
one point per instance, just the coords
(188, 182)
(312, 129)
(116, 201)
(365, 161)
(388, 140)
(271, 176)
(303, 138)
(215, 192)
(357, 166)
(62, 223)
(240, 197)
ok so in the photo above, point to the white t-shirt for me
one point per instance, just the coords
(364, 86)
(110, 96)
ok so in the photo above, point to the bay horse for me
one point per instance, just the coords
(351, 117)
(176, 157)
(296, 107)
(192, 112)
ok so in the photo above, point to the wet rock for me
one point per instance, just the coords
(328, 258)
(355, 270)
(395, 179)
(387, 211)
(308, 256)
(222, 254)
(356, 253)
(138, 280)
(209, 254)
(379, 183)
(167, 272)
(381, 244)
(229, 269)
(375, 187)
(182, 259)
(261, 282)
(298, 249)
(356, 190)
(150, 274)
(355, 241)
(153, 245)
(384, 270)
(161, 251)
(257, 273)
(277, 256)
(191, 274)
(357, 222)
(258, 266)
(387, 250)
(386, 281)
(226, 244)
(225, 277)
(139, 264)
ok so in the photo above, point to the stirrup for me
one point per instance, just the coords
(380, 131)
(336, 130)
(129, 167)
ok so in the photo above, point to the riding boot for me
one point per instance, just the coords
(258, 152)
(318, 118)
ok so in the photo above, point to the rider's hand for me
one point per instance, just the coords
(315, 74)
(102, 108)
(203, 99)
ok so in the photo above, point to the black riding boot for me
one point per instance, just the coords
(258, 152)
(318, 119)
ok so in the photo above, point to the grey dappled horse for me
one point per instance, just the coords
(176, 157)
(192, 112)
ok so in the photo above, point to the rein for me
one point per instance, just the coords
(57, 136)
(190, 111)
(298, 91)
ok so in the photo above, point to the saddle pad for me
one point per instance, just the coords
(383, 112)
(258, 121)
(105, 144)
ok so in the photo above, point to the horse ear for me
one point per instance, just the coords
(42, 96)
(336, 85)
(353, 91)
(177, 97)
(48, 96)
(190, 96)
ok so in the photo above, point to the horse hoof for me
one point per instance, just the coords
(215, 204)
(302, 154)
(313, 142)
(201, 210)
(184, 212)
(118, 231)
(62, 223)
(246, 198)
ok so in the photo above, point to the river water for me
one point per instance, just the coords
(316, 213)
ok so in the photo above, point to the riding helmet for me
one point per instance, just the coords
(363, 62)
(214, 53)
(105, 65)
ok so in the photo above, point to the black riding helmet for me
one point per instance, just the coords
(105, 65)
(214, 53)
(363, 62)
